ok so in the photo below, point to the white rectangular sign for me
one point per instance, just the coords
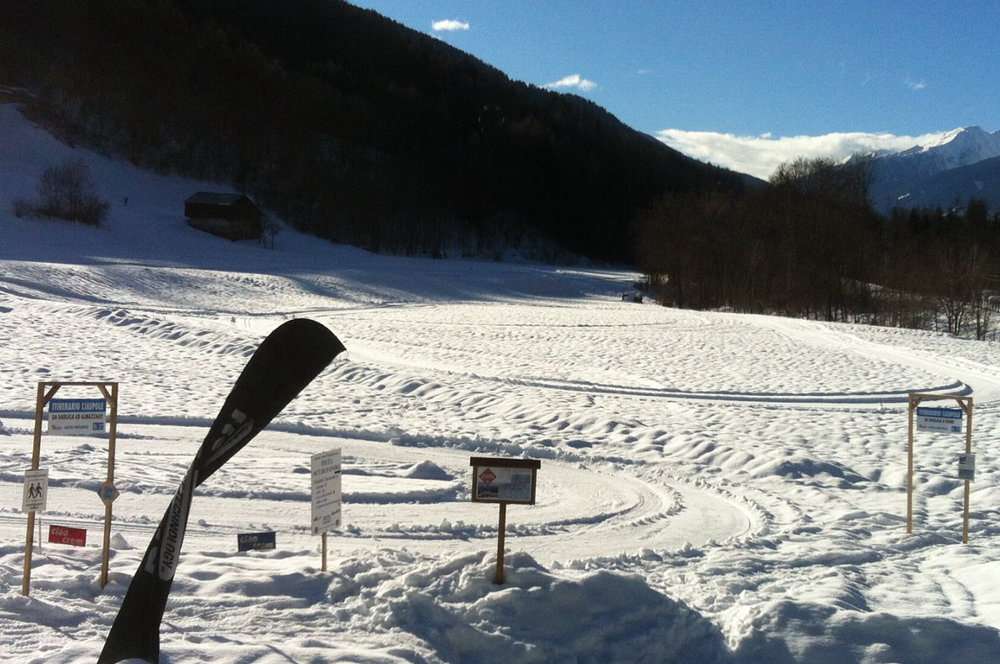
(967, 467)
(77, 416)
(946, 420)
(326, 491)
(36, 489)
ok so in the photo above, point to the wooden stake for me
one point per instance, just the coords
(498, 578)
(35, 453)
(967, 407)
(324, 550)
(112, 399)
(914, 402)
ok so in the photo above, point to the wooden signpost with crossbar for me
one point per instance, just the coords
(107, 492)
(944, 420)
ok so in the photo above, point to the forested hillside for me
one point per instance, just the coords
(810, 244)
(344, 123)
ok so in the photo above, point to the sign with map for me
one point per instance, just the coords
(504, 480)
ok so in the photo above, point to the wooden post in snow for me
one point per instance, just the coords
(503, 481)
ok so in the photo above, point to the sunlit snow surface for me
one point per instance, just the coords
(713, 488)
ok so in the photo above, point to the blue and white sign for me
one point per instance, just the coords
(77, 416)
(946, 420)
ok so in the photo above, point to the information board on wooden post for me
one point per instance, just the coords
(327, 498)
(947, 421)
(503, 481)
(76, 417)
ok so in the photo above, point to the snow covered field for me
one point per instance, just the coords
(713, 487)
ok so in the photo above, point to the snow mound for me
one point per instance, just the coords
(426, 470)
(805, 632)
(538, 617)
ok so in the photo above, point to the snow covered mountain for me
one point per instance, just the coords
(961, 166)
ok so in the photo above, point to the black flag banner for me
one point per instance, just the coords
(286, 361)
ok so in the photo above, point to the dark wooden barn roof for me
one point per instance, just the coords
(212, 198)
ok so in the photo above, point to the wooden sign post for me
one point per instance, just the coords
(503, 481)
(945, 420)
(47, 390)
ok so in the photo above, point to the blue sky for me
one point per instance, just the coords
(728, 80)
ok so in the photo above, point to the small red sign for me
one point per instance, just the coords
(487, 476)
(70, 536)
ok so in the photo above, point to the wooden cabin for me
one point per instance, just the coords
(232, 216)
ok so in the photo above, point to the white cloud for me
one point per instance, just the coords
(574, 81)
(915, 85)
(761, 155)
(449, 24)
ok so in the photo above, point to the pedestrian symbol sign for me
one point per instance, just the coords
(36, 487)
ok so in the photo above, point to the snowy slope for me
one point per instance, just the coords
(713, 487)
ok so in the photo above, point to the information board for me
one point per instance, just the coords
(504, 480)
(77, 416)
(943, 420)
(326, 491)
(946, 420)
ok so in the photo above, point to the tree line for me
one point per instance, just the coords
(809, 244)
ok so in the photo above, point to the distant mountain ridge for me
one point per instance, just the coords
(960, 167)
